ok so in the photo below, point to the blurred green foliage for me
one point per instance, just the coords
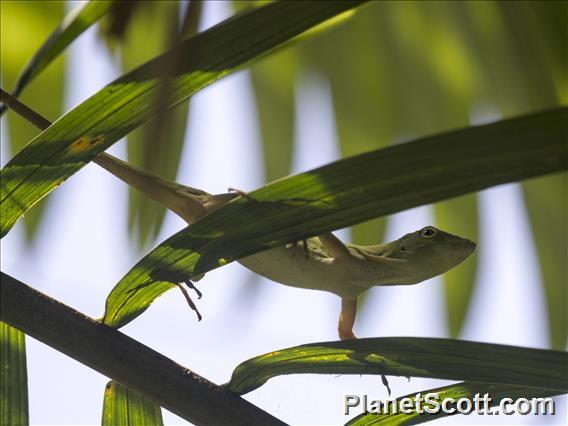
(30, 23)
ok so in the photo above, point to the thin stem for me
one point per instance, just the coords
(21, 109)
(119, 357)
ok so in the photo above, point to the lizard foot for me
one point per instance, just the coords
(386, 383)
(347, 335)
(305, 245)
(239, 192)
(347, 319)
(306, 250)
(190, 285)
(189, 301)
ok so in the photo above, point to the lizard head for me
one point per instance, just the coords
(425, 253)
(431, 252)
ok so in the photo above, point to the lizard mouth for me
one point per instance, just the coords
(464, 249)
(456, 252)
(471, 246)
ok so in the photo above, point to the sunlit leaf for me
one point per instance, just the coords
(344, 193)
(411, 357)
(73, 140)
(470, 390)
(547, 203)
(24, 26)
(13, 377)
(125, 407)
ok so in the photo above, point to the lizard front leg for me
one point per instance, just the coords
(339, 251)
(347, 319)
(334, 246)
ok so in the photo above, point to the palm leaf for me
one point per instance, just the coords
(411, 356)
(343, 193)
(76, 138)
(125, 407)
(13, 377)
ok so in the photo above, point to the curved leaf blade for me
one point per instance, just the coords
(13, 377)
(550, 194)
(456, 391)
(93, 126)
(343, 193)
(74, 24)
(411, 356)
(122, 406)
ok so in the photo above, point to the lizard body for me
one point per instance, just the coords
(326, 263)
(408, 260)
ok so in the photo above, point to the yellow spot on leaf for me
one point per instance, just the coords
(84, 143)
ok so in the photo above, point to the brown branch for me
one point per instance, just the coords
(21, 109)
(122, 358)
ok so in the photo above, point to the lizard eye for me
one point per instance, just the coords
(428, 232)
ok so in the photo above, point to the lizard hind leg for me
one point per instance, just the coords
(347, 319)
(345, 328)
(189, 301)
(190, 285)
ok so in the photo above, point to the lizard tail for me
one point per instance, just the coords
(188, 203)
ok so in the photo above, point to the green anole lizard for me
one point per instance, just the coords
(324, 263)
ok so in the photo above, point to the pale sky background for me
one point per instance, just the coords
(90, 223)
